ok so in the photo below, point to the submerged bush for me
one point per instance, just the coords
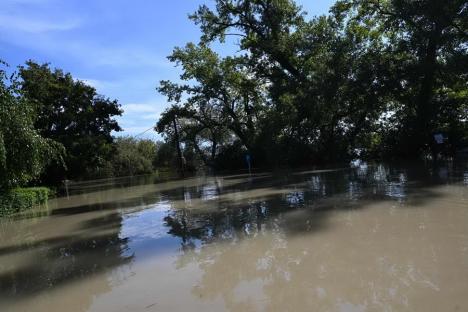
(133, 156)
(19, 199)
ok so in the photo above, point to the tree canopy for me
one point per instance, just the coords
(377, 78)
(72, 113)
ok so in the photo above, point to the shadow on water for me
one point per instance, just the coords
(56, 261)
(142, 200)
(203, 210)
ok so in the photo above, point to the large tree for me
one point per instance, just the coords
(298, 90)
(220, 101)
(71, 112)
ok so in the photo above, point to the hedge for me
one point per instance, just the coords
(22, 198)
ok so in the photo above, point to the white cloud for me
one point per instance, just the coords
(115, 56)
(41, 26)
(141, 108)
(86, 52)
(140, 117)
(64, 32)
(26, 1)
(97, 83)
(15, 2)
(35, 26)
(153, 117)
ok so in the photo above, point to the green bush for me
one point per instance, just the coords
(22, 198)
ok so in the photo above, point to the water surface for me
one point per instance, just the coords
(366, 238)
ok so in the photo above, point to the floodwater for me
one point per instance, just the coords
(364, 238)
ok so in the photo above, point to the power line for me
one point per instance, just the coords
(144, 131)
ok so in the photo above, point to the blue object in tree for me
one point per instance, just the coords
(248, 161)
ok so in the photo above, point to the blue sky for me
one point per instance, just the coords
(118, 46)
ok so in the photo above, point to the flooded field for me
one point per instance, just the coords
(366, 238)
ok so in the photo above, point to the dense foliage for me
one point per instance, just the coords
(24, 153)
(19, 199)
(71, 112)
(378, 78)
(134, 157)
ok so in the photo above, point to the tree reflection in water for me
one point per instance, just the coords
(261, 250)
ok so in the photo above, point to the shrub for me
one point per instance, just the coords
(134, 156)
(19, 199)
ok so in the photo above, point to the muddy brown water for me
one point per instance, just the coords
(365, 238)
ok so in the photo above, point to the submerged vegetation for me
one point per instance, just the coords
(19, 199)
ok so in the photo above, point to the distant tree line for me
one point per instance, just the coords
(374, 78)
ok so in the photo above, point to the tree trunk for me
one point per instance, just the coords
(213, 150)
(179, 152)
(425, 109)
